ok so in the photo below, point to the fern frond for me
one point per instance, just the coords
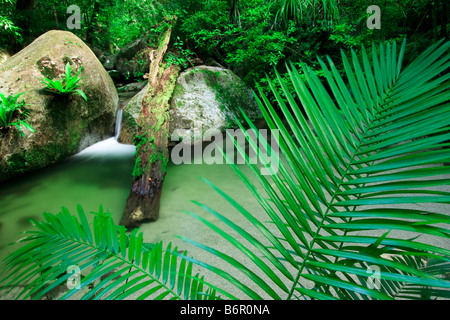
(110, 263)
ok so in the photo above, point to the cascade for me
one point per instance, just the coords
(110, 147)
(118, 123)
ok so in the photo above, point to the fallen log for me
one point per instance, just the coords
(151, 142)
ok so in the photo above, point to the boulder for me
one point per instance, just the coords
(64, 125)
(133, 87)
(109, 61)
(205, 98)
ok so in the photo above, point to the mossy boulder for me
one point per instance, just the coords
(204, 96)
(64, 125)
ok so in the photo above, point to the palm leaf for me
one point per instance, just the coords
(112, 263)
(358, 151)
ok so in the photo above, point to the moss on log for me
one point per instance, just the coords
(152, 153)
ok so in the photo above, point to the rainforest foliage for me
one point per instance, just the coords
(356, 177)
(250, 37)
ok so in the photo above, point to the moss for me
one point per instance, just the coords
(137, 170)
(34, 158)
(47, 68)
(231, 95)
(158, 156)
(16, 162)
(179, 90)
(129, 120)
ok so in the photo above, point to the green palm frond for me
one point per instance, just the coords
(111, 264)
(362, 156)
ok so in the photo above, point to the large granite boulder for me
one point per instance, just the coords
(205, 99)
(64, 125)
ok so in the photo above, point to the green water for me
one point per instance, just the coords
(96, 176)
(101, 175)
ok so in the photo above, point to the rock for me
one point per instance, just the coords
(25, 221)
(130, 115)
(108, 61)
(132, 61)
(64, 124)
(114, 74)
(205, 96)
(134, 86)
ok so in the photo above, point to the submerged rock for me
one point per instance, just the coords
(64, 124)
(205, 98)
(25, 221)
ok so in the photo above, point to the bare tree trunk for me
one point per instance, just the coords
(24, 18)
(56, 18)
(152, 140)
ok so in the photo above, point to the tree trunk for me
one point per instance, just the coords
(92, 22)
(152, 140)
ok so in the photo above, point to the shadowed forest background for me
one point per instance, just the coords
(250, 37)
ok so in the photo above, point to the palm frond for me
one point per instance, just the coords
(362, 156)
(111, 263)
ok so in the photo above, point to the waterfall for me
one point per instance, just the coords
(109, 148)
(118, 123)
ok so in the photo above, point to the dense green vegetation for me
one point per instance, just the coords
(315, 201)
(347, 101)
(13, 113)
(250, 37)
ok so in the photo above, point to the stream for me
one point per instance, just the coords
(101, 175)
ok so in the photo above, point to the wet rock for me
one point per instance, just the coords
(109, 61)
(25, 221)
(64, 125)
(134, 86)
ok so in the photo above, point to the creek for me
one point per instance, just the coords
(101, 175)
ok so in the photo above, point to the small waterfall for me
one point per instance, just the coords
(118, 123)
(109, 148)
